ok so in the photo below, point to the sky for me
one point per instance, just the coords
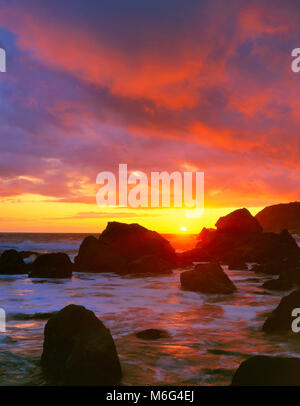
(166, 85)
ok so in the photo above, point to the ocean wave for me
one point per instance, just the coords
(30, 245)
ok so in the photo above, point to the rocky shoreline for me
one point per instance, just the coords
(130, 249)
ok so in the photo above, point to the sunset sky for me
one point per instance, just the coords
(161, 85)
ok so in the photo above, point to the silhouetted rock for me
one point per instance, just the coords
(55, 265)
(118, 245)
(187, 258)
(149, 264)
(280, 320)
(262, 370)
(79, 350)
(152, 334)
(289, 274)
(279, 217)
(239, 221)
(207, 278)
(239, 238)
(238, 266)
(11, 263)
(278, 285)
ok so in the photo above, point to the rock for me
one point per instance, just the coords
(262, 370)
(289, 274)
(207, 278)
(239, 221)
(118, 245)
(187, 258)
(239, 238)
(279, 217)
(238, 266)
(278, 285)
(280, 320)
(56, 265)
(149, 264)
(152, 334)
(79, 350)
(27, 254)
(11, 263)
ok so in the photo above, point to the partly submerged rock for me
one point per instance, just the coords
(55, 265)
(152, 334)
(150, 264)
(11, 263)
(238, 266)
(118, 245)
(187, 258)
(279, 217)
(280, 320)
(239, 238)
(79, 350)
(262, 370)
(207, 278)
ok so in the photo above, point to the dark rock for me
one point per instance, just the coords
(207, 278)
(79, 350)
(11, 263)
(27, 254)
(187, 258)
(56, 265)
(118, 245)
(280, 320)
(238, 266)
(234, 243)
(240, 221)
(278, 285)
(279, 217)
(262, 370)
(152, 334)
(149, 264)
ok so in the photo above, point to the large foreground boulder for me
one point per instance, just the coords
(279, 217)
(79, 350)
(55, 265)
(262, 370)
(280, 320)
(11, 263)
(207, 278)
(119, 245)
(239, 238)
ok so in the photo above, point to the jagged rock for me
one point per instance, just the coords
(79, 350)
(55, 265)
(207, 278)
(11, 263)
(279, 217)
(239, 238)
(152, 334)
(262, 370)
(280, 320)
(118, 245)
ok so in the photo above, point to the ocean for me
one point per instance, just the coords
(210, 334)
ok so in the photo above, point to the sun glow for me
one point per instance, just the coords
(183, 229)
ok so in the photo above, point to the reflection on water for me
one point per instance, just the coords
(210, 334)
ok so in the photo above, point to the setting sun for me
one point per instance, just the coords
(183, 229)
